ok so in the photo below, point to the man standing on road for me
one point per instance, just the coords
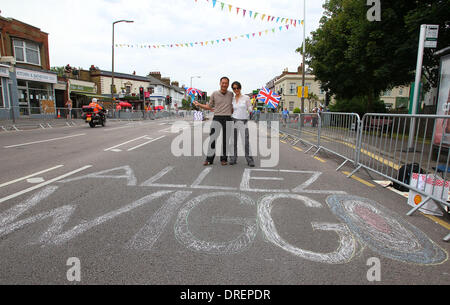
(221, 102)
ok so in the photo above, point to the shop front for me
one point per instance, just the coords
(4, 92)
(80, 92)
(36, 92)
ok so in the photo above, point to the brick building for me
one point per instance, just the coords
(24, 50)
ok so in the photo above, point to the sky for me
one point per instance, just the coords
(80, 34)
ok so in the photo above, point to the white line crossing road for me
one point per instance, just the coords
(116, 148)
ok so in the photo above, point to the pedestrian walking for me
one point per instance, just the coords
(220, 103)
(285, 116)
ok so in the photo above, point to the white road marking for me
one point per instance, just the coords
(35, 180)
(111, 148)
(136, 147)
(43, 141)
(29, 176)
(43, 184)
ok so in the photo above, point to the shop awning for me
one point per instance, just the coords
(90, 95)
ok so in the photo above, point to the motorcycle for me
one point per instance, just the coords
(93, 118)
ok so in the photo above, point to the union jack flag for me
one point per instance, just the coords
(193, 91)
(270, 98)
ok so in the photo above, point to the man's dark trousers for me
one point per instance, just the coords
(219, 123)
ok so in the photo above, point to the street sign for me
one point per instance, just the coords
(431, 36)
(300, 92)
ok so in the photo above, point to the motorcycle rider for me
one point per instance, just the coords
(98, 109)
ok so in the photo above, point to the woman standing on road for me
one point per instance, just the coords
(242, 107)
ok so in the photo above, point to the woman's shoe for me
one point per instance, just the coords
(224, 162)
(206, 163)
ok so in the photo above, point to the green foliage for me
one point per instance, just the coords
(185, 104)
(59, 70)
(357, 105)
(353, 57)
(297, 110)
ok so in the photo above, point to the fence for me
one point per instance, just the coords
(382, 144)
(39, 117)
(299, 128)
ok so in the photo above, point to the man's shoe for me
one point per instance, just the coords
(224, 162)
(206, 163)
(233, 162)
(251, 164)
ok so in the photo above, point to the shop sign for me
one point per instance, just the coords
(81, 88)
(4, 71)
(36, 76)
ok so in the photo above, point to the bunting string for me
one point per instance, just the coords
(254, 15)
(205, 43)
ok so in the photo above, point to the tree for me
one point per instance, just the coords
(59, 70)
(353, 57)
(312, 97)
(430, 12)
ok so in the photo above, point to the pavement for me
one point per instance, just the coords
(120, 204)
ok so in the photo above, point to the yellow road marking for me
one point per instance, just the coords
(283, 142)
(297, 148)
(438, 221)
(368, 153)
(321, 160)
(359, 179)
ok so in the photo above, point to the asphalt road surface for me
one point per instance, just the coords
(115, 205)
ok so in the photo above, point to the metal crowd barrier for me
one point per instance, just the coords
(300, 128)
(383, 144)
(48, 117)
(387, 145)
(339, 135)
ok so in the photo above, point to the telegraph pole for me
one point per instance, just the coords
(303, 61)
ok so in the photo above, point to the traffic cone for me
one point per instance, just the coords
(59, 114)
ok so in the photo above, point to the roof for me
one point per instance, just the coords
(152, 80)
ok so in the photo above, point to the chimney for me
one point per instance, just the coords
(300, 69)
(176, 84)
(166, 80)
(156, 75)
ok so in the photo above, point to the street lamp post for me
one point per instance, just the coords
(304, 50)
(194, 77)
(112, 72)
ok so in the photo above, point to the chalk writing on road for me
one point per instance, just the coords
(359, 221)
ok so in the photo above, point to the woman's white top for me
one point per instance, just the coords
(242, 108)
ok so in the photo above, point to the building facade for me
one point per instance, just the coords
(286, 85)
(24, 49)
(397, 98)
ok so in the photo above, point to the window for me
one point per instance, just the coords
(293, 88)
(2, 103)
(291, 106)
(400, 91)
(27, 52)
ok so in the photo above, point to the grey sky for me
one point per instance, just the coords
(80, 34)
